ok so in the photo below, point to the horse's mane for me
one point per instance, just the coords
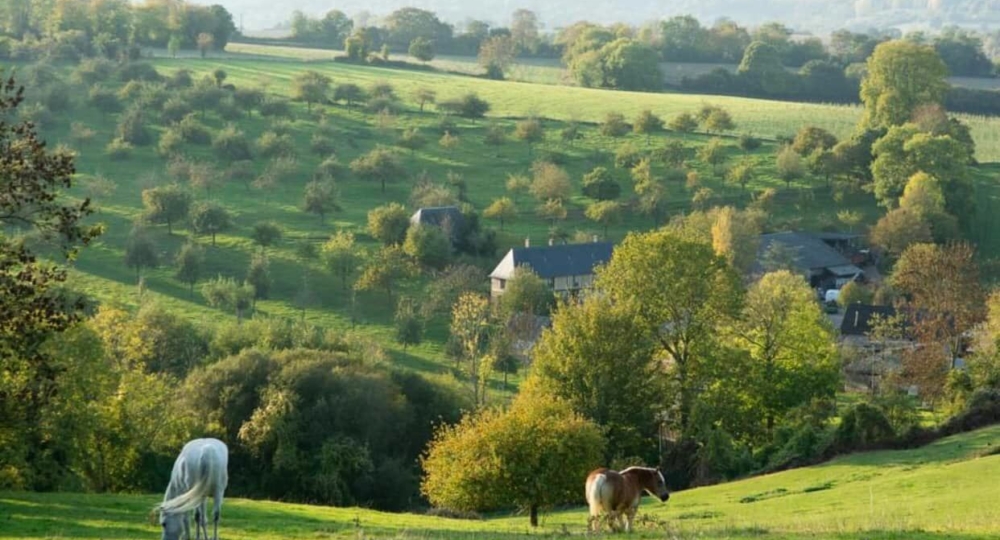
(210, 471)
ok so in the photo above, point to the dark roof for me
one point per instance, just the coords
(811, 252)
(555, 261)
(438, 216)
(858, 318)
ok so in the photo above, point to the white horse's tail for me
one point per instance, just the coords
(202, 488)
(596, 498)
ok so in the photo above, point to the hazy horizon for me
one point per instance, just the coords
(815, 16)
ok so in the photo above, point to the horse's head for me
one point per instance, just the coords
(172, 524)
(660, 486)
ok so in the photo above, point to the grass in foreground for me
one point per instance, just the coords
(945, 490)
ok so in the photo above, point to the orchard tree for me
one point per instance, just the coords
(901, 77)
(341, 256)
(320, 198)
(502, 209)
(682, 294)
(311, 87)
(227, 293)
(423, 96)
(495, 136)
(384, 270)
(380, 165)
(809, 139)
(412, 140)
(614, 125)
(205, 43)
(259, 277)
(713, 153)
(647, 124)
(190, 263)
(349, 93)
(599, 184)
(789, 165)
(140, 251)
(474, 325)
(168, 204)
(605, 213)
(496, 55)
(210, 218)
(530, 457)
(552, 211)
(684, 123)
(409, 326)
(518, 184)
(718, 121)
(388, 223)
(530, 131)
(741, 174)
(550, 182)
(266, 234)
(220, 76)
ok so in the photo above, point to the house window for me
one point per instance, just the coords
(503, 283)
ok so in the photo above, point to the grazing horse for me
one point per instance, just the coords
(618, 494)
(200, 471)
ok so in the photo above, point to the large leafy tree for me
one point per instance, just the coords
(602, 362)
(681, 293)
(380, 165)
(311, 87)
(33, 306)
(791, 344)
(167, 204)
(341, 256)
(530, 457)
(901, 77)
(385, 269)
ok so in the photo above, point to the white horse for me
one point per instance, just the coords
(200, 471)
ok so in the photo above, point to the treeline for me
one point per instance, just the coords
(116, 29)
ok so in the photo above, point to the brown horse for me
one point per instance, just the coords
(618, 494)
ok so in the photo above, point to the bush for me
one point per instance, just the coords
(180, 79)
(749, 143)
(80, 133)
(231, 145)
(104, 100)
(863, 427)
(57, 97)
(228, 110)
(627, 156)
(270, 144)
(175, 109)
(118, 150)
(92, 71)
(379, 104)
(132, 128)
(321, 145)
(194, 131)
(138, 71)
(171, 143)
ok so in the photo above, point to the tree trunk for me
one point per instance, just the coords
(533, 512)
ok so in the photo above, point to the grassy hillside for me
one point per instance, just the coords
(100, 271)
(945, 490)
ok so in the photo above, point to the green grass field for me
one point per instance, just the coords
(945, 490)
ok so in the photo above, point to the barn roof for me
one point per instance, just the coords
(438, 216)
(858, 318)
(555, 261)
(812, 253)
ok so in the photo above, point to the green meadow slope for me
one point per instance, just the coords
(948, 489)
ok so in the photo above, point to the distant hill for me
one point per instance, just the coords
(818, 16)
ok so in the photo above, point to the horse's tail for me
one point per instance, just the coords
(192, 498)
(595, 495)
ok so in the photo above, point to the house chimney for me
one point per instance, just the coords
(527, 241)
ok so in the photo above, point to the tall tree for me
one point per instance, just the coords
(140, 251)
(791, 344)
(384, 270)
(388, 223)
(311, 87)
(682, 294)
(901, 77)
(320, 198)
(502, 209)
(168, 204)
(605, 213)
(524, 28)
(33, 308)
(647, 124)
(190, 262)
(496, 55)
(474, 324)
(380, 165)
(210, 218)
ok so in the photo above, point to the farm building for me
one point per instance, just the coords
(829, 260)
(568, 268)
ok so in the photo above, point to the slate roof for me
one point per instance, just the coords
(555, 261)
(438, 216)
(858, 318)
(812, 252)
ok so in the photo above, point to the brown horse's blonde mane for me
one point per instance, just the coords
(645, 476)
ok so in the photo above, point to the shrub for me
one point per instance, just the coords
(118, 150)
(194, 131)
(329, 167)
(274, 107)
(271, 144)
(379, 104)
(131, 91)
(321, 145)
(138, 71)
(92, 71)
(862, 427)
(132, 128)
(175, 109)
(180, 79)
(231, 145)
(281, 127)
(170, 143)
(228, 110)
(749, 143)
(80, 133)
(627, 156)
(57, 97)
(104, 100)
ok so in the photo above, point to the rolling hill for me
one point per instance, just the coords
(945, 490)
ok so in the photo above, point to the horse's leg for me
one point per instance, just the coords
(216, 514)
(629, 516)
(186, 525)
(204, 517)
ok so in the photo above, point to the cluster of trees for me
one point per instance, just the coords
(70, 30)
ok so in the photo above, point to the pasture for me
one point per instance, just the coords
(942, 491)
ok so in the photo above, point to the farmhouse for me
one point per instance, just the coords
(568, 268)
(829, 260)
(448, 218)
